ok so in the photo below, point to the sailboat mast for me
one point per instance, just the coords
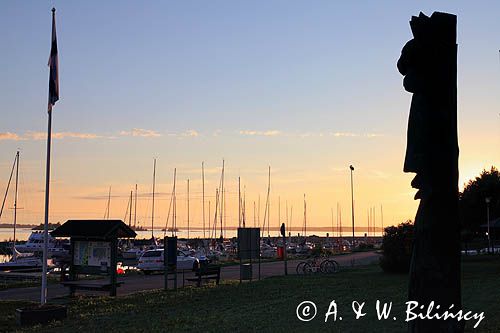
(106, 214)
(203, 194)
(221, 201)
(244, 217)
(305, 216)
(333, 228)
(129, 207)
(254, 217)
(217, 208)
(338, 229)
(239, 202)
(15, 207)
(135, 207)
(279, 212)
(225, 215)
(258, 213)
(174, 202)
(8, 183)
(130, 211)
(368, 213)
(268, 201)
(153, 206)
(286, 220)
(213, 227)
(188, 205)
(381, 221)
(340, 220)
(221, 213)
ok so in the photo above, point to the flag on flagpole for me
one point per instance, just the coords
(54, 67)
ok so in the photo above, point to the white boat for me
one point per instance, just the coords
(132, 253)
(35, 243)
(20, 261)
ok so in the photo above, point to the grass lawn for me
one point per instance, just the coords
(270, 305)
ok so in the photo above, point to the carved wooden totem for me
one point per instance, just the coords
(429, 65)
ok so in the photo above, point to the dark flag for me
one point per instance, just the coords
(54, 67)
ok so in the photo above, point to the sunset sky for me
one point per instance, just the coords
(306, 87)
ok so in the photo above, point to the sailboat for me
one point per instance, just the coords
(18, 260)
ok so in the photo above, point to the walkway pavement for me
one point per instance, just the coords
(135, 283)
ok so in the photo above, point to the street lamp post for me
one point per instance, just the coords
(488, 199)
(352, 204)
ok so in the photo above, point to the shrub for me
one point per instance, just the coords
(397, 248)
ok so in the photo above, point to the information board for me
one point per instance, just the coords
(91, 253)
(249, 243)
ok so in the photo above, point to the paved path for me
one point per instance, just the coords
(135, 283)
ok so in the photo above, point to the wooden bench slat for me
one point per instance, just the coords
(206, 273)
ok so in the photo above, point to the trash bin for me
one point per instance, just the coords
(246, 272)
(280, 252)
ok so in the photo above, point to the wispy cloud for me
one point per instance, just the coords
(141, 132)
(61, 135)
(260, 133)
(31, 135)
(191, 133)
(10, 136)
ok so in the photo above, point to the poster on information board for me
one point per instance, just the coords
(90, 253)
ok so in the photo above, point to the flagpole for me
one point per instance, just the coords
(43, 299)
(53, 98)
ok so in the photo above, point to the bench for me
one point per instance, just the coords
(210, 272)
(97, 285)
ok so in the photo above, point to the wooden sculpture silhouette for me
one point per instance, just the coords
(429, 65)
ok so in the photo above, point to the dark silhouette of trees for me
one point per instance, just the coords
(472, 202)
(397, 246)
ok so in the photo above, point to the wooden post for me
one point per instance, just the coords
(72, 275)
(165, 264)
(112, 276)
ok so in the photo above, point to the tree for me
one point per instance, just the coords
(472, 202)
(397, 247)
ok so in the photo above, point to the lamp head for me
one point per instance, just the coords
(351, 167)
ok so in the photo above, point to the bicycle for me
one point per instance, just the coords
(316, 265)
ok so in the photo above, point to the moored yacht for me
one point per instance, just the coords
(35, 245)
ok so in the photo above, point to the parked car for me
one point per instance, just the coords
(152, 260)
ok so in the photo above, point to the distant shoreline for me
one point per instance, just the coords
(311, 228)
(7, 225)
(30, 226)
